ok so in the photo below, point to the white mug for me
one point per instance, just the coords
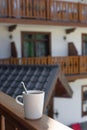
(33, 102)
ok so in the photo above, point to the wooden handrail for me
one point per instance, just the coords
(12, 118)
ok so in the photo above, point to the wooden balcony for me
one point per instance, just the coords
(50, 12)
(12, 118)
(73, 67)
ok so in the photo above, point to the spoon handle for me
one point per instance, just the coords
(24, 87)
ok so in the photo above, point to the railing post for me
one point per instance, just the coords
(2, 122)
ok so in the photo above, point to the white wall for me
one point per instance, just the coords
(82, 1)
(70, 108)
(69, 0)
(57, 34)
(59, 46)
(4, 43)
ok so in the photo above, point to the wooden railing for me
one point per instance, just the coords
(23, 8)
(12, 118)
(52, 10)
(69, 64)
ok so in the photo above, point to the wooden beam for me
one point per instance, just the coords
(12, 28)
(74, 77)
(70, 30)
(41, 22)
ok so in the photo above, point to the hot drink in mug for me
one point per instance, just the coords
(33, 102)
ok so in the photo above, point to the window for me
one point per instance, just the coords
(84, 100)
(84, 44)
(35, 44)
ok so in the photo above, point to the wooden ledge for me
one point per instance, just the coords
(14, 113)
(72, 78)
(41, 22)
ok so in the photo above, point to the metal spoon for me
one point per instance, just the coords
(24, 87)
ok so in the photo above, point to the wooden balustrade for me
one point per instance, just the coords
(69, 64)
(52, 10)
(12, 118)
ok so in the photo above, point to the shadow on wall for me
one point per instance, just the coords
(13, 50)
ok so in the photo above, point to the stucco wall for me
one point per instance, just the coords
(69, 109)
(59, 46)
(82, 1)
(57, 34)
(4, 42)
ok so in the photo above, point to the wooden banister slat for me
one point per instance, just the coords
(1, 122)
(24, 61)
(70, 11)
(22, 7)
(9, 7)
(64, 11)
(48, 8)
(27, 8)
(30, 8)
(9, 126)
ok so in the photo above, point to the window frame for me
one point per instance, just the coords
(84, 113)
(83, 34)
(30, 32)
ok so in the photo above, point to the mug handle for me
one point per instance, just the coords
(17, 99)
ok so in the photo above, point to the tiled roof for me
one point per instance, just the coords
(35, 77)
